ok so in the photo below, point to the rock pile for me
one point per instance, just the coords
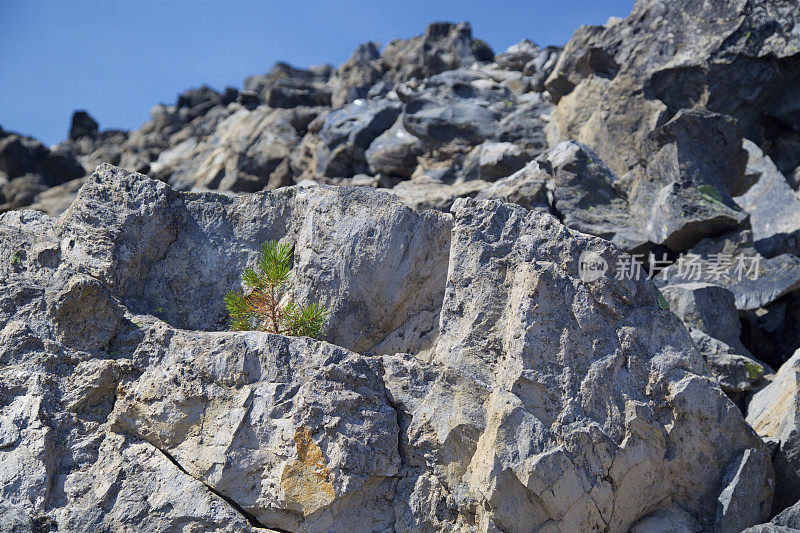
(564, 292)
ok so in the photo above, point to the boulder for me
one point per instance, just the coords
(772, 205)
(348, 132)
(491, 161)
(773, 413)
(733, 263)
(527, 187)
(356, 76)
(286, 86)
(83, 125)
(244, 153)
(444, 46)
(394, 152)
(746, 497)
(615, 84)
(529, 399)
(425, 192)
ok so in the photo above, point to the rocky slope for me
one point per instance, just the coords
(466, 216)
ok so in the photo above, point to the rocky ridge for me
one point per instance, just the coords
(466, 217)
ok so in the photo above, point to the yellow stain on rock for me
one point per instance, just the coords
(306, 481)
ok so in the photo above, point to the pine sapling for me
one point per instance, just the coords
(261, 309)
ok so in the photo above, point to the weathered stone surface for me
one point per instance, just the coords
(507, 338)
(427, 193)
(732, 262)
(671, 519)
(773, 206)
(590, 414)
(746, 497)
(773, 413)
(394, 152)
(444, 46)
(527, 187)
(244, 153)
(616, 83)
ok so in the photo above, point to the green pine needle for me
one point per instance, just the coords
(261, 309)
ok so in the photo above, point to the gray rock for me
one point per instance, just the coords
(444, 46)
(347, 133)
(286, 86)
(732, 262)
(355, 77)
(527, 187)
(772, 204)
(518, 55)
(394, 152)
(746, 497)
(671, 519)
(773, 413)
(683, 193)
(427, 193)
(527, 398)
(585, 196)
(244, 153)
(491, 161)
(504, 324)
(709, 308)
(616, 83)
(83, 125)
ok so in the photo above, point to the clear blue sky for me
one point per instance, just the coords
(117, 59)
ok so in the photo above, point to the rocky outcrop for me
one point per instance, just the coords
(116, 389)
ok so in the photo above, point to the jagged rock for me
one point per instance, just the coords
(709, 312)
(428, 193)
(524, 125)
(357, 75)
(746, 497)
(772, 205)
(585, 196)
(616, 83)
(773, 413)
(83, 125)
(707, 307)
(244, 153)
(684, 192)
(732, 262)
(517, 56)
(507, 340)
(527, 187)
(193, 248)
(671, 519)
(286, 86)
(21, 156)
(491, 161)
(444, 46)
(348, 132)
(394, 152)
(329, 459)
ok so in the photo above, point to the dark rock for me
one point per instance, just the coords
(517, 56)
(82, 126)
(746, 497)
(348, 132)
(394, 152)
(356, 77)
(528, 188)
(444, 46)
(773, 206)
(286, 86)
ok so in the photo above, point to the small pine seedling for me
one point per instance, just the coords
(260, 309)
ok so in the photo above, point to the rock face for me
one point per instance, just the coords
(485, 395)
(489, 363)
(773, 413)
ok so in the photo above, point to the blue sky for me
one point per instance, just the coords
(118, 59)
